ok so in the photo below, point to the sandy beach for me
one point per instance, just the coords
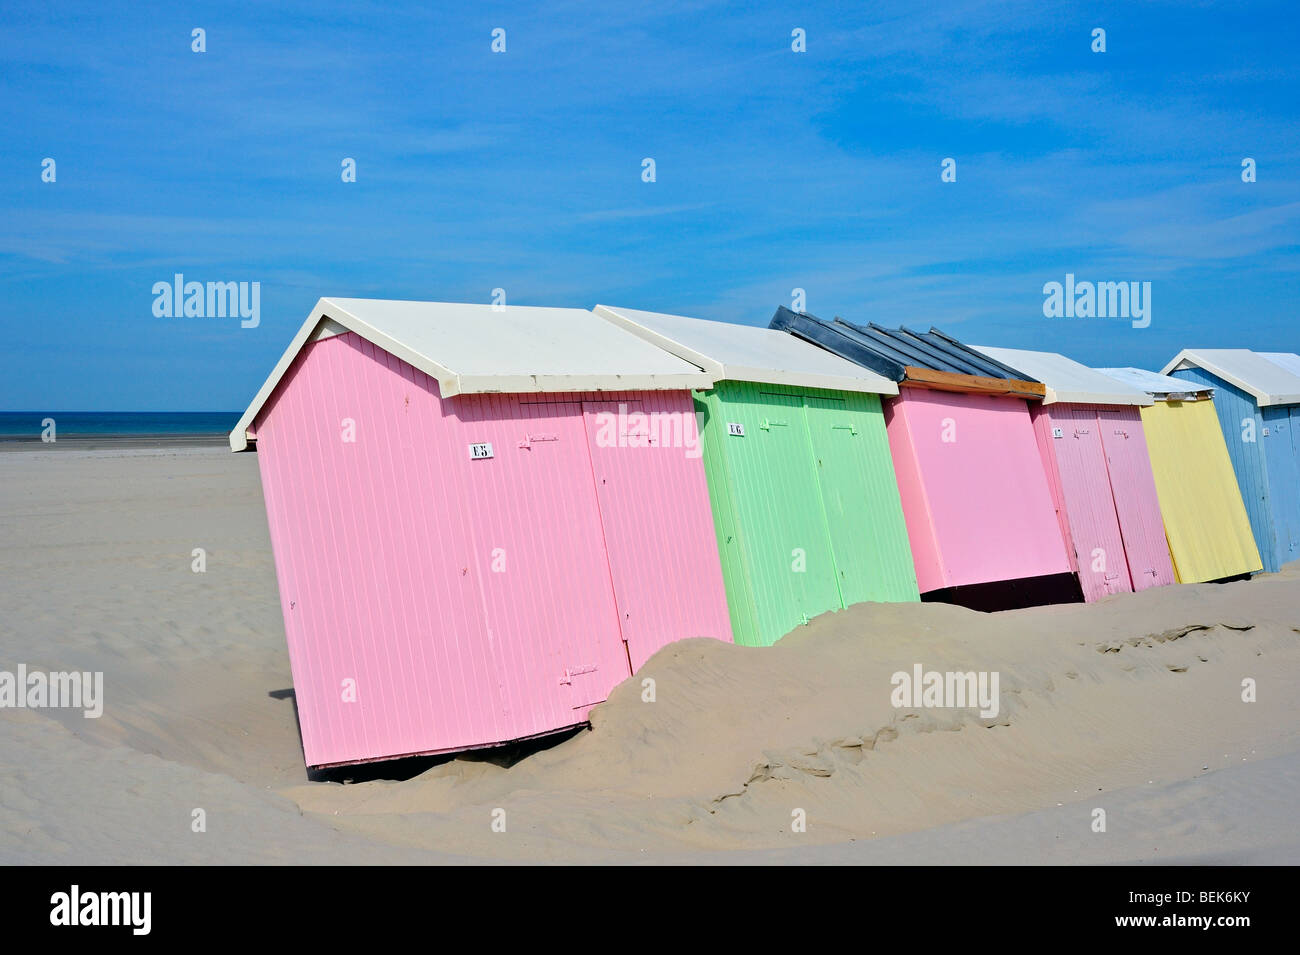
(1132, 705)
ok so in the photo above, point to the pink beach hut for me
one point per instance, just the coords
(1094, 450)
(482, 518)
(979, 512)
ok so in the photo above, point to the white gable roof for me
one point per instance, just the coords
(1160, 386)
(1288, 360)
(1066, 380)
(480, 349)
(1268, 382)
(732, 352)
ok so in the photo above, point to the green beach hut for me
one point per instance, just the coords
(805, 502)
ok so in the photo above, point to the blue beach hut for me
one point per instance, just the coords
(1257, 397)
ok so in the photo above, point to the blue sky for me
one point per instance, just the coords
(522, 170)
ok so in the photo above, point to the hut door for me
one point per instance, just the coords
(654, 509)
(1283, 479)
(1294, 490)
(838, 454)
(787, 547)
(536, 530)
(1128, 464)
(779, 533)
(1089, 501)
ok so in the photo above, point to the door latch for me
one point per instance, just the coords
(531, 439)
(571, 672)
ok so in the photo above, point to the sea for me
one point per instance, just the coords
(31, 425)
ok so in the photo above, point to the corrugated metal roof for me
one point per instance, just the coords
(731, 352)
(486, 349)
(1159, 385)
(1066, 379)
(934, 349)
(1265, 380)
(839, 339)
(892, 352)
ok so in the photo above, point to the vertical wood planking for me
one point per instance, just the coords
(987, 504)
(1242, 431)
(1089, 501)
(663, 557)
(860, 499)
(1041, 416)
(923, 539)
(787, 549)
(1128, 462)
(805, 505)
(1206, 523)
(1277, 442)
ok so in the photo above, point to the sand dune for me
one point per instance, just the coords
(1132, 705)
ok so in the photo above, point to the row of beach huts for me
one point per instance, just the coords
(483, 518)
